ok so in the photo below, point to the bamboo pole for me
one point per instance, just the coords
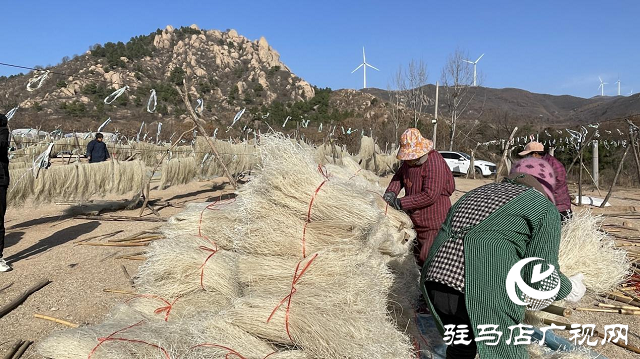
(611, 306)
(610, 310)
(56, 320)
(622, 299)
(596, 333)
(560, 311)
(504, 154)
(196, 121)
(615, 179)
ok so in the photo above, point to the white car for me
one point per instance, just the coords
(459, 163)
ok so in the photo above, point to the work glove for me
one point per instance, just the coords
(577, 288)
(389, 196)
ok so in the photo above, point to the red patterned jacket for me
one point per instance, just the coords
(427, 190)
(561, 192)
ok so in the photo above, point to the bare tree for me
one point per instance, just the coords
(397, 100)
(417, 80)
(457, 80)
(409, 92)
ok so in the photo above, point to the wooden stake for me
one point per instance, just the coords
(126, 274)
(633, 136)
(19, 300)
(133, 258)
(117, 291)
(147, 186)
(580, 174)
(14, 348)
(22, 349)
(56, 320)
(100, 236)
(196, 121)
(615, 179)
(504, 154)
(96, 244)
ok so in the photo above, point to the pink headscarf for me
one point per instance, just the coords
(541, 170)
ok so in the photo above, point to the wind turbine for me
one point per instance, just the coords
(474, 68)
(618, 82)
(364, 65)
(601, 87)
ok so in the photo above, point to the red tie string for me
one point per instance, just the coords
(306, 223)
(166, 309)
(296, 278)
(355, 174)
(111, 337)
(213, 251)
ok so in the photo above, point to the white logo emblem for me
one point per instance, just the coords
(533, 298)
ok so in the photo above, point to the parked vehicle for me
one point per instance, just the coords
(459, 163)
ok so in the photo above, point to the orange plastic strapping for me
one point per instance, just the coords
(296, 278)
(112, 338)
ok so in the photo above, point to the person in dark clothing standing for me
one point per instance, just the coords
(428, 183)
(97, 150)
(4, 183)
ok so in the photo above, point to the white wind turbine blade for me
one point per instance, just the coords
(599, 78)
(479, 58)
(471, 62)
(357, 68)
(373, 67)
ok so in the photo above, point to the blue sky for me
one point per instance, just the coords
(556, 47)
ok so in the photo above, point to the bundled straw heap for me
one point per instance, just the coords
(306, 262)
(586, 249)
(178, 171)
(75, 181)
(238, 158)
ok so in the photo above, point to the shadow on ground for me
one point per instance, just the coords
(38, 221)
(12, 238)
(60, 237)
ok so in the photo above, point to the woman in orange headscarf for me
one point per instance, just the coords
(428, 183)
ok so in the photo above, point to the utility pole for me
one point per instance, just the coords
(435, 120)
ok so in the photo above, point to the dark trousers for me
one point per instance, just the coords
(3, 210)
(450, 306)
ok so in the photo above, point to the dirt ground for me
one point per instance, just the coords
(41, 243)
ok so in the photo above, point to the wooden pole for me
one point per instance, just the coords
(596, 167)
(615, 179)
(16, 302)
(147, 186)
(14, 348)
(578, 156)
(580, 173)
(435, 120)
(196, 121)
(633, 137)
(22, 349)
(507, 146)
